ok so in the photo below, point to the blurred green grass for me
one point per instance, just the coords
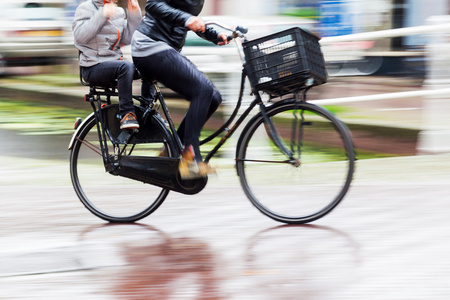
(32, 118)
(60, 80)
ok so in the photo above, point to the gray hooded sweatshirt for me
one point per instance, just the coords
(99, 38)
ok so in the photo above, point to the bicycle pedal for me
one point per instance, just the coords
(130, 131)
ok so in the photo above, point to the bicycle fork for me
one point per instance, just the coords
(295, 139)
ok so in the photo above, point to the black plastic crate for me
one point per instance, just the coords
(285, 62)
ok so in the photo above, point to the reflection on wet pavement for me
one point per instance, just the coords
(306, 261)
(142, 262)
(239, 254)
(180, 266)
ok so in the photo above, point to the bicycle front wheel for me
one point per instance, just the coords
(310, 177)
(113, 198)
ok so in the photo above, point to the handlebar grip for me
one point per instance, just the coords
(236, 33)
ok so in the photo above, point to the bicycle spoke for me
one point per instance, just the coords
(289, 162)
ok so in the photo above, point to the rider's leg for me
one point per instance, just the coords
(147, 90)
(216, 100)
(179, 74)
(107, 72)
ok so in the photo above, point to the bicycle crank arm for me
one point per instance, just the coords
(159, 171)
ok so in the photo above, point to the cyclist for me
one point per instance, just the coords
(156, 47)
(99, 28)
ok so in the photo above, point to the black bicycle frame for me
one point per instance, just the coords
(229, 132)
(271, 131)
(166, 113)
(101, 130)
(163, 171)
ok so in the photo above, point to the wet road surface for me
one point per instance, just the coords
(389, 239)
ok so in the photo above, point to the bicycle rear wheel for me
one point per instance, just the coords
(113, 198)
(309, 184)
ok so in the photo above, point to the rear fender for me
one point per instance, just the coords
(76, 133)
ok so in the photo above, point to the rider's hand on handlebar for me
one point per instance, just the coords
(196, 24)
(224, 38)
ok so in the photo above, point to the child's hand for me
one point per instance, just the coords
(133, 6)
(110, 10)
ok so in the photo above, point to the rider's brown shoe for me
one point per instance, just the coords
(206, 169)
(129, 121)
(189, 168)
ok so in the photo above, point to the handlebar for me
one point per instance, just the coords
(238, 32)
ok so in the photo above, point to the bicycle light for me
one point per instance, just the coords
(77, 123)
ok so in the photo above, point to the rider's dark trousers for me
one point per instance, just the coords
(179, 74)
(124, 71)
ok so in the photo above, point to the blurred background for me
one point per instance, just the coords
(36, 33)
(38, 63)
(37, 54)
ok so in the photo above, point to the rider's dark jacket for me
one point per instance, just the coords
(165, 20)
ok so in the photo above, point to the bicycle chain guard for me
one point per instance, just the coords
(158, 171)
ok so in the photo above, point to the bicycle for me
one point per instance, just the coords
(295, 160)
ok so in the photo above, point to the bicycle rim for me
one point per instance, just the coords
(314, 180)
(112, 198)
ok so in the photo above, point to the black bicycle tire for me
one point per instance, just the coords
(257, 121)
(89, 125)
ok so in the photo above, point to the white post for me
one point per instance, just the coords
(435, 137)
(249, 7)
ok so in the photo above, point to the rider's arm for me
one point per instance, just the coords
(132, 22)
(87, 23)
(161, 10)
